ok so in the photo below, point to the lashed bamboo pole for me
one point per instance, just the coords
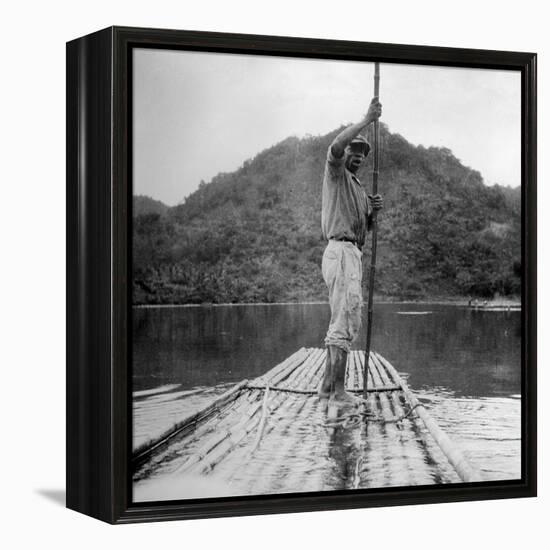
(392, 397)
(219, 437)
(371, 390)
(205, 426)
(369, 472)
(304, 406)
(397, 461)
(316, 379)
(280, 417)
(308, 368)
(384, 403)
(374, 229)
(280, 454)
(269, 376)
(409, 435)
(356, 371)
(146, 449)
(350, 373)
(464, 469)
(377, 389)
(296, 379)
(313, 357)
(210, 424)
(265, 411)
(399, 430)
(388, 427)
(231, 437)
(311, 479)
(248, 420)
(425, 450)
(387, 379)
(359, 370)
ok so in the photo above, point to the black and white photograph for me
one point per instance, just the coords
(270, 275)
(292, 216)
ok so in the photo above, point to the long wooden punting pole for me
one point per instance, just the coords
(372, 270)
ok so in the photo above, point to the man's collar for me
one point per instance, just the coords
(356, 179)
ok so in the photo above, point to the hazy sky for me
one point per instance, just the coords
(197, 114)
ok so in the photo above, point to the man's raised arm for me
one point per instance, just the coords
(344, 138)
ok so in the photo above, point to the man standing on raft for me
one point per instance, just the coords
(346, 218)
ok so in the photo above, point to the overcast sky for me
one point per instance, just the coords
(198, 114)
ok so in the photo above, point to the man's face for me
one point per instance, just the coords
(355, 157)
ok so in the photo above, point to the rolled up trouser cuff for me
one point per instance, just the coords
(342, 272)
(342, 344)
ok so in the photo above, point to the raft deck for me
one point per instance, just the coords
(273, 435)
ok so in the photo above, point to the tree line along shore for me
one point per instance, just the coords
(254, 235)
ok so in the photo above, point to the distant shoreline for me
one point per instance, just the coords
(452, 302)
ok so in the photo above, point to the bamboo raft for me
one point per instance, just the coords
(481, 307)
(273, 435)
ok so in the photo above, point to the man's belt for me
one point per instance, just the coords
(348, 240)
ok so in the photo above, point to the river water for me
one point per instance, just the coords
(464, 365)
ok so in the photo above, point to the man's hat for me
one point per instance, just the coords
(361, 140)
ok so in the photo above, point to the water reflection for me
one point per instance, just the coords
(471, 353)
(343, 452)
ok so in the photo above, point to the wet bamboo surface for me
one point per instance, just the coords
(273, 435)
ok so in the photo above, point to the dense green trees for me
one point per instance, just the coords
(254, 235)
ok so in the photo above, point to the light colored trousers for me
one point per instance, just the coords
(342, 271)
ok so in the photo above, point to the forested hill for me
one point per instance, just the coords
(146, 205)
(254, 235)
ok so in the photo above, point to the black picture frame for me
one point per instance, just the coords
(99, 292)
